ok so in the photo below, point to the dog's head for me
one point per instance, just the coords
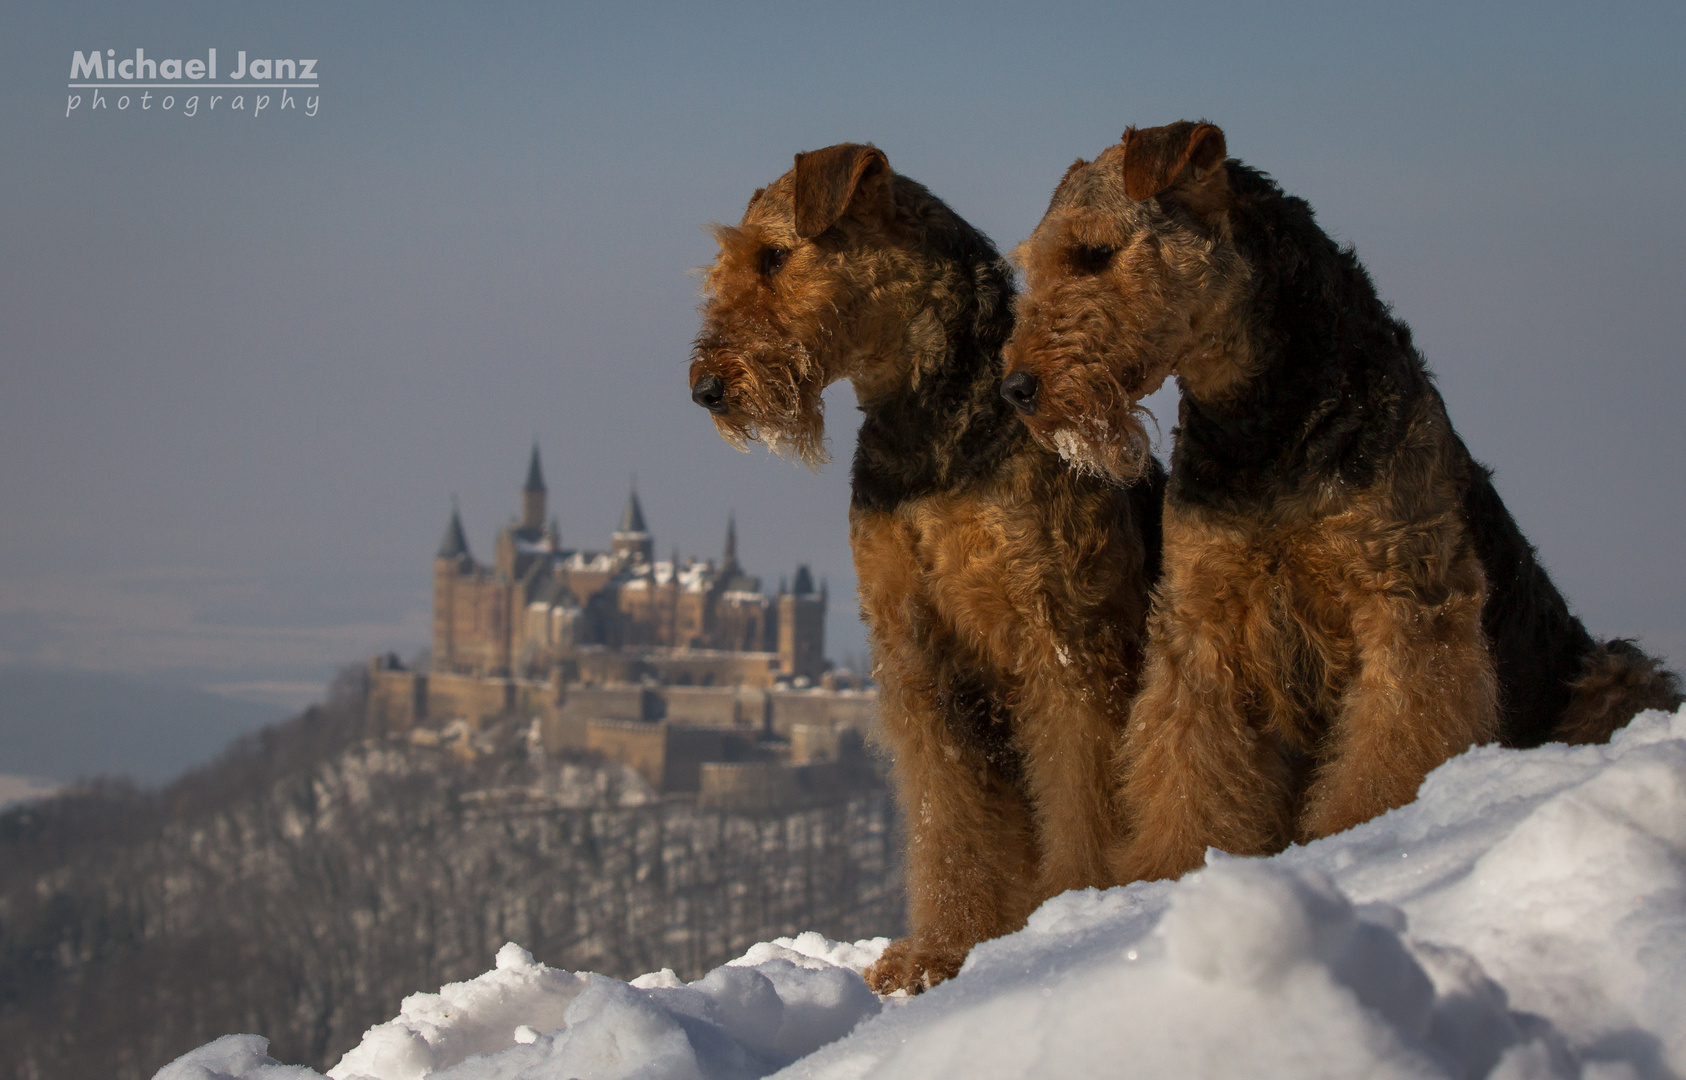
(1131, 277)
(802, 293)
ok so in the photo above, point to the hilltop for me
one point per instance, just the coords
(312, 876)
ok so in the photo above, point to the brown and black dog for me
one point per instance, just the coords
(1346, 602)
(1005, 596)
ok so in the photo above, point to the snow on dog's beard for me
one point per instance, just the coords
(1088, 418)
(774, 398)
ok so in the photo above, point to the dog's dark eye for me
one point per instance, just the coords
(772, 260)
(1092, 258)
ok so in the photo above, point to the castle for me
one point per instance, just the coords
(540, 607)
(687, 671)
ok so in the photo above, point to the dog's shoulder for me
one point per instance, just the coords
(1337, 383)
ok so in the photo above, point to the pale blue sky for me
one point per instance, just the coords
(245, 362)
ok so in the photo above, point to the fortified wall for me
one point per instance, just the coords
(673, 736)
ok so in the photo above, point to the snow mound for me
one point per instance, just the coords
(232, 1057)
(1524, 919)
(783, 1000)
(433, 1031)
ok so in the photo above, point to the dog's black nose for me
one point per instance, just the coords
(710, 393)
(1019, 389)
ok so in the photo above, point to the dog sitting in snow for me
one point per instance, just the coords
(1006, 596)
(1346, 602)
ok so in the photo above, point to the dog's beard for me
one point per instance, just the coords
(1097, 446)
(1096, 427)
(776, 400)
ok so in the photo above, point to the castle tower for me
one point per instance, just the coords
(632, 540)
(729, 557)
(533, 493)
(450, 563)
(802, 627)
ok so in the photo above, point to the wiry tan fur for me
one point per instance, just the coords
(1305, 671)
(996, 602)
(1006, 597)
(1327, 629)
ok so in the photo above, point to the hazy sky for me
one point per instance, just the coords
(246, 360)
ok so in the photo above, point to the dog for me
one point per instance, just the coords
(1346, 602)
(1005, 597)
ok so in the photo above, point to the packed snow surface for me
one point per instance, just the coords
(1524, 919)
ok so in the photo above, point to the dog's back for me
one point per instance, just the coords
(1556, 682)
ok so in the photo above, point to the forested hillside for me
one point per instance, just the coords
(304, 883)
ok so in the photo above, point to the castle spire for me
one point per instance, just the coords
(632, 540)
(455, 543)
(533, 493)
(535, 474)
(730, 555)
(632, 518)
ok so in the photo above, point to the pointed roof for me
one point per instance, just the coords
(632, 519)
(804, 583)
(535, 475)
(455, 543)
(731, 553)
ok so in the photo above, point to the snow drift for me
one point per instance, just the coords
(1524, 919)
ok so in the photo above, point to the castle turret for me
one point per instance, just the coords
(632, 540)
(533, 493)
(451, 563)
(729, 557)
(802, 627)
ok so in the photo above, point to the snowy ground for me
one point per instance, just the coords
(1524, 919)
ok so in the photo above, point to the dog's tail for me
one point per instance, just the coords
(1617, 681)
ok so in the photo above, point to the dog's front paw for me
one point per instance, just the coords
(907, 965)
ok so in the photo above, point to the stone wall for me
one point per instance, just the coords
(714, 667)
(397, 698)
(716, 706)
(666, 733)
(821, 708)
(637, 744)
(669, 757)
(450, 695)
(746, 785)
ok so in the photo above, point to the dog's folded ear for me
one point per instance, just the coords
(1158, 159)
(836, 180)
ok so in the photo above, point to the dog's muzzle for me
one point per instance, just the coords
(710, 392)
(1019, 389)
